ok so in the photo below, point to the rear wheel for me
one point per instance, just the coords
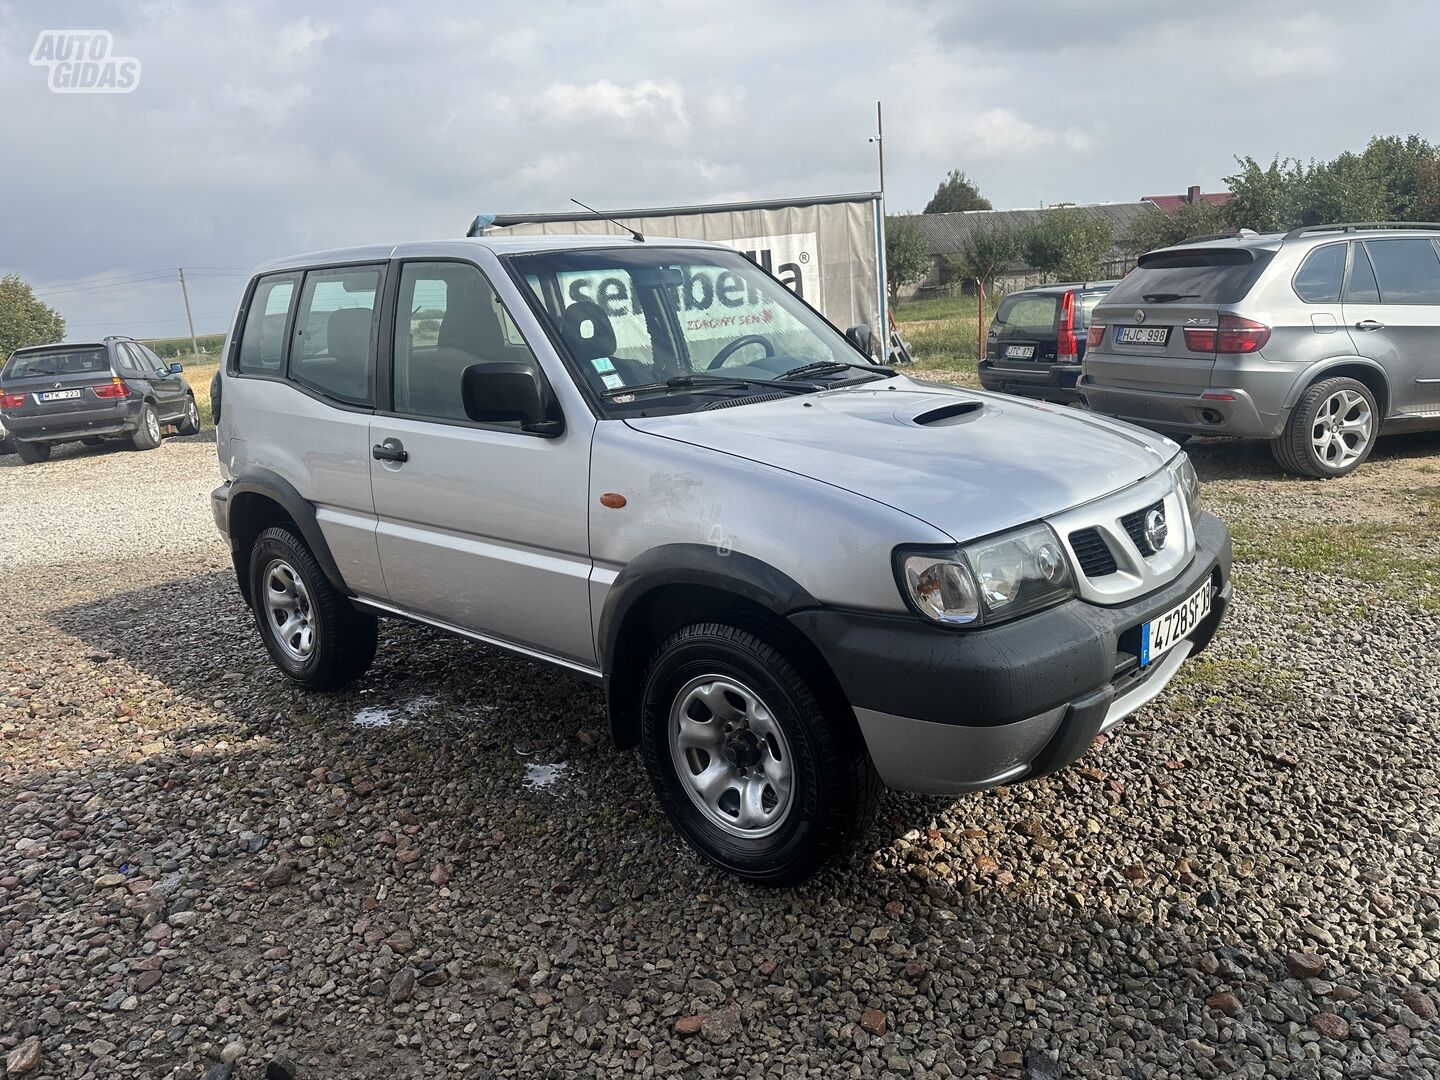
(32, 453)
(1331, 430)
(189, 422)
(147, 435)
(312, 632)
(755, 773)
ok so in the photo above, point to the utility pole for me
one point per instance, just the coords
(194, 348)
(879, 140)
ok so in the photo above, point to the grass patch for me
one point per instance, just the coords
(198, 372)
(942, 333)
(1359, 552)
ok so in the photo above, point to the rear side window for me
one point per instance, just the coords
(1408, 270)
(1088, 301)
(262, 340)
(331, 351)
(1319, 278)
(1197, 276)
(1361, 287)
(1027, 315)
(60, 362)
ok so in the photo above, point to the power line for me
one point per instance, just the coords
(135, 277)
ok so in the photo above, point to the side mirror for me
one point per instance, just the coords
(176, 369)
(861, 338)
(508, 390)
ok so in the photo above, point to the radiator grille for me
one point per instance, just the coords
(1135, 526)
(1093, 553)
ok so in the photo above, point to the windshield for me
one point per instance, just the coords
(59, 362)
(674, 329)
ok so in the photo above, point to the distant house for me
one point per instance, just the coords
(945, 234)
(1171, 203)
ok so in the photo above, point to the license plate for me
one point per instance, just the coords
(1162, 634)
(59, 395)
(1142, 335)
(1019, 352)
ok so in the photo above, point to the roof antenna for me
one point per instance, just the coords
(635, 234)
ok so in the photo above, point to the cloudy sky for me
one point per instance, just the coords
(263, 128)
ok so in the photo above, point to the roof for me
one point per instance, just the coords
(945, 234)
(502, 221)
(462, 247)
(1171, 203)
(1066, 286)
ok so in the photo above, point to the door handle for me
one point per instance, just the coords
(1369, 324)
(390, 450)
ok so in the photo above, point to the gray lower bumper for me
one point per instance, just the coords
(949, 759)
(1222, 411)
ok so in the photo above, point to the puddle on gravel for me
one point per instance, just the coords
(384, 716)
(544, 778)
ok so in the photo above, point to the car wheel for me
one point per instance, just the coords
(755, 773)
(32, 453)
(312, 632)
(189, 423)
(1331, 430)
(147, 435)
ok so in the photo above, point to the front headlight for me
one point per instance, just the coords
(1183, 470)
(1006, 576)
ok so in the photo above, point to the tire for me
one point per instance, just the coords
(147, 434)
(1335, 408)
(341, 641)
(832, 787)
(32, 453)
(189, 422)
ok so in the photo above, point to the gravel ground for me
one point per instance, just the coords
(448, 871)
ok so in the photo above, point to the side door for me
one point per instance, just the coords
(170, 388)
(481, 526)
(1392, 311)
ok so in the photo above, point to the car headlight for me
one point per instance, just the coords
(1183, 470)
(989, 581)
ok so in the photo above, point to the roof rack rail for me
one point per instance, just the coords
(1356, 226)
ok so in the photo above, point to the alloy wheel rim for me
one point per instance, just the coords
(1342, 429)
(731, 755)
(192, 413)
(287, 605)
(152, 425)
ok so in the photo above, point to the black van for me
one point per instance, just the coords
(1037, 340)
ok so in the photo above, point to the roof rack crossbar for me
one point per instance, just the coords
(1356, 226)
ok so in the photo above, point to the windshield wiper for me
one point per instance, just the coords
(820, 366)
(1167, 297)
(705, 382)
(35, 371)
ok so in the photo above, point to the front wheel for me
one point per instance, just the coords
(311, 631)
(755, 773)
(32, 453)
(147, 434)
(190, 422)
(1331, 430)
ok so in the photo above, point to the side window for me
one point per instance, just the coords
(1408, 270)
(262, 339)
(1320, 275)
(125, 363)
(331, 347)
(1361, 287)
(455, 320)
(151, 361)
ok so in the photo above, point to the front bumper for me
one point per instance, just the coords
(1048, 382)
(1211, 411)
(944, 712)
(121, 418)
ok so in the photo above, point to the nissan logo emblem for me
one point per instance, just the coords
(1156, 531)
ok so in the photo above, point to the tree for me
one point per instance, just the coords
(1159, 229)
(907, 255)
(24, 320)
(956, 193)
(1265, 199)
(985, 254)
(1067, 243)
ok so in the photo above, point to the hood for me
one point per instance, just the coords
(967, 462)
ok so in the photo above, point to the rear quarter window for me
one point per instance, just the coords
(1197, 276)
(1320, 276)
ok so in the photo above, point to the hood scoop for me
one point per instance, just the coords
(953, 413)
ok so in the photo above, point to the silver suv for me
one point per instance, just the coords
(1318, 340)
(796, 574)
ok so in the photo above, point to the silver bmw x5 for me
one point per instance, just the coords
(795, 573)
